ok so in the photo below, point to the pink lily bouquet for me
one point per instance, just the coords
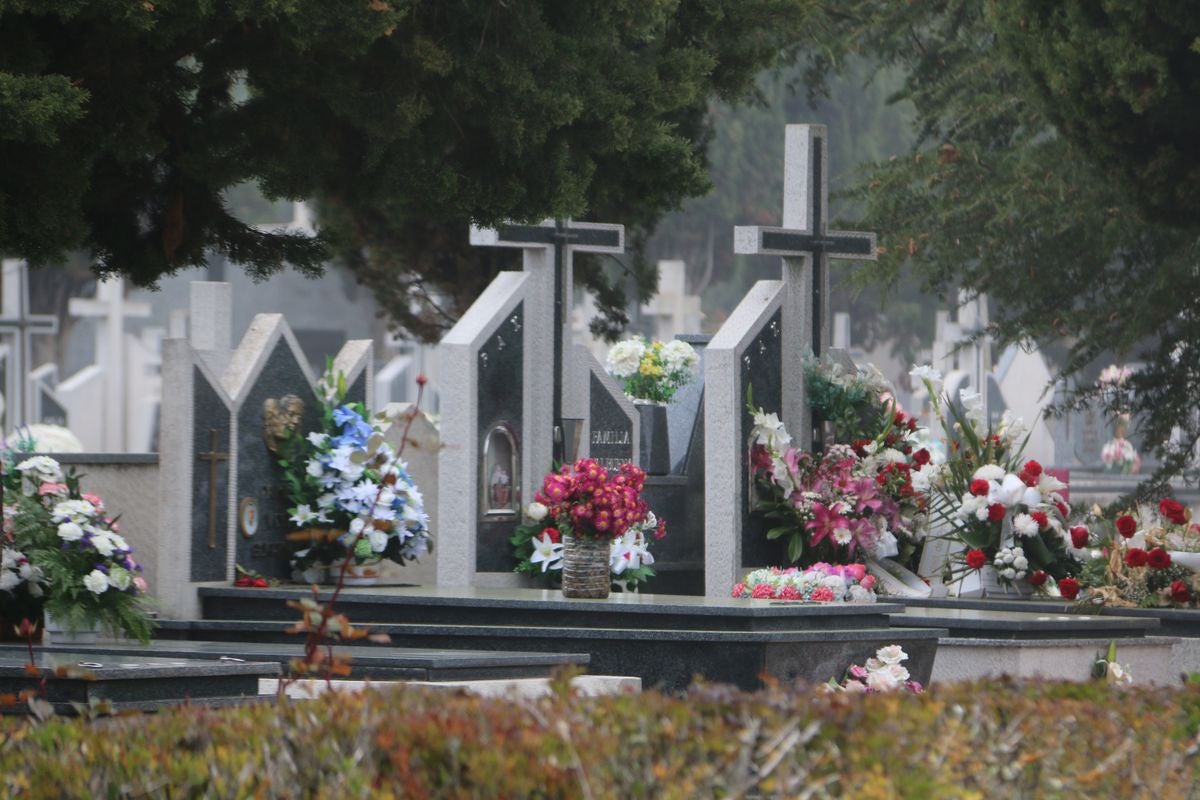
(846, 505)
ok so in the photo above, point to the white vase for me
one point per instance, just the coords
(60, 635)
(1186, 559)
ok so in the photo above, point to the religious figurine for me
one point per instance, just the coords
(279, 417)
(499, 488)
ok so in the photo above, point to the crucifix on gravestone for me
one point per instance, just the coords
(562, 238)
(805, 238)
(21, 326)
(212, 457)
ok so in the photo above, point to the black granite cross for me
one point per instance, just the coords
(805, 233)
(564, 237)
(17, 322)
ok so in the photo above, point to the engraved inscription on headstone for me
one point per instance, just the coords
(611, 439)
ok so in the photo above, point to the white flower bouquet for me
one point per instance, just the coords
(652, 371)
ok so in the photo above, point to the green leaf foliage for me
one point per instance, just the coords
(1004, 739)
(1050, 146)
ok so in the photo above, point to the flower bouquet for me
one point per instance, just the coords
(856, 403)
(353, 499)
(883, 673)
(60, 547)
(1146, 558)
(848, 504)
(591, 524)
(1009, 515)
(652, 372)
(820, 583)
(539, 550)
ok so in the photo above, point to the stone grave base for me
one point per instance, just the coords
(76, 678)
(587, 685)
(376, 663)
(664, 640)
(1149, 659)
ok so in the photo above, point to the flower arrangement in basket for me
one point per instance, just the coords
(820, 583)
(344, 475)
(652, 372)
(63, 554)
(1009, 514)
(1145, 558)
(849, 504)
(590, 529)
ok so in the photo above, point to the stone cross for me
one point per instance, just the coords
(560, 239)
(805, 236)
(110, 310)
(17, 322)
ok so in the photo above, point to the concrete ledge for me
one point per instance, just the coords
(1150, 659)
(587, 685)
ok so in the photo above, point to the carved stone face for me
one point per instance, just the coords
(279, 417)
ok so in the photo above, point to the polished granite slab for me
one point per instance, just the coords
(1026, 623)
(544, 607)
(75, 677)
(1182, 622)
(376, 662)
(666, 659)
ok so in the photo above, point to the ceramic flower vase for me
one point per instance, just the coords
(585, 567)
(366, 574)
(61, 635)
(655, 449)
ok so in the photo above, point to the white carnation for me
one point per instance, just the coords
(678, 356)
(625, 357)
(1025, 525)
(96, 582)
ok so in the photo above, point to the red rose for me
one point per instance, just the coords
(996, 512)
(921, 457)
(1136, 557)
(976, 559)
(1180, 592)
(1173, 511)
(1033, 468)
(553, 533)
(1063, 509)
(1158, 558)
(1126, 525)
(1068, 588)
(1037, 578)
(979, 487)
(1040, 518)
(1079, 537)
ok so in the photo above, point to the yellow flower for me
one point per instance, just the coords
(650, 369)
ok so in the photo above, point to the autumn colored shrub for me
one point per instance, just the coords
(994, 740)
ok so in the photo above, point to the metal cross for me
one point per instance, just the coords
(805, 234)
(564, 237)
(17, 322)
(212, 457)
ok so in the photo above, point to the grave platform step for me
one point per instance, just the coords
(76, 676)
(666, 659)
(1181, 622)
(379, 662)
(548, 608)
(1024, 624)
(1151, 660)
